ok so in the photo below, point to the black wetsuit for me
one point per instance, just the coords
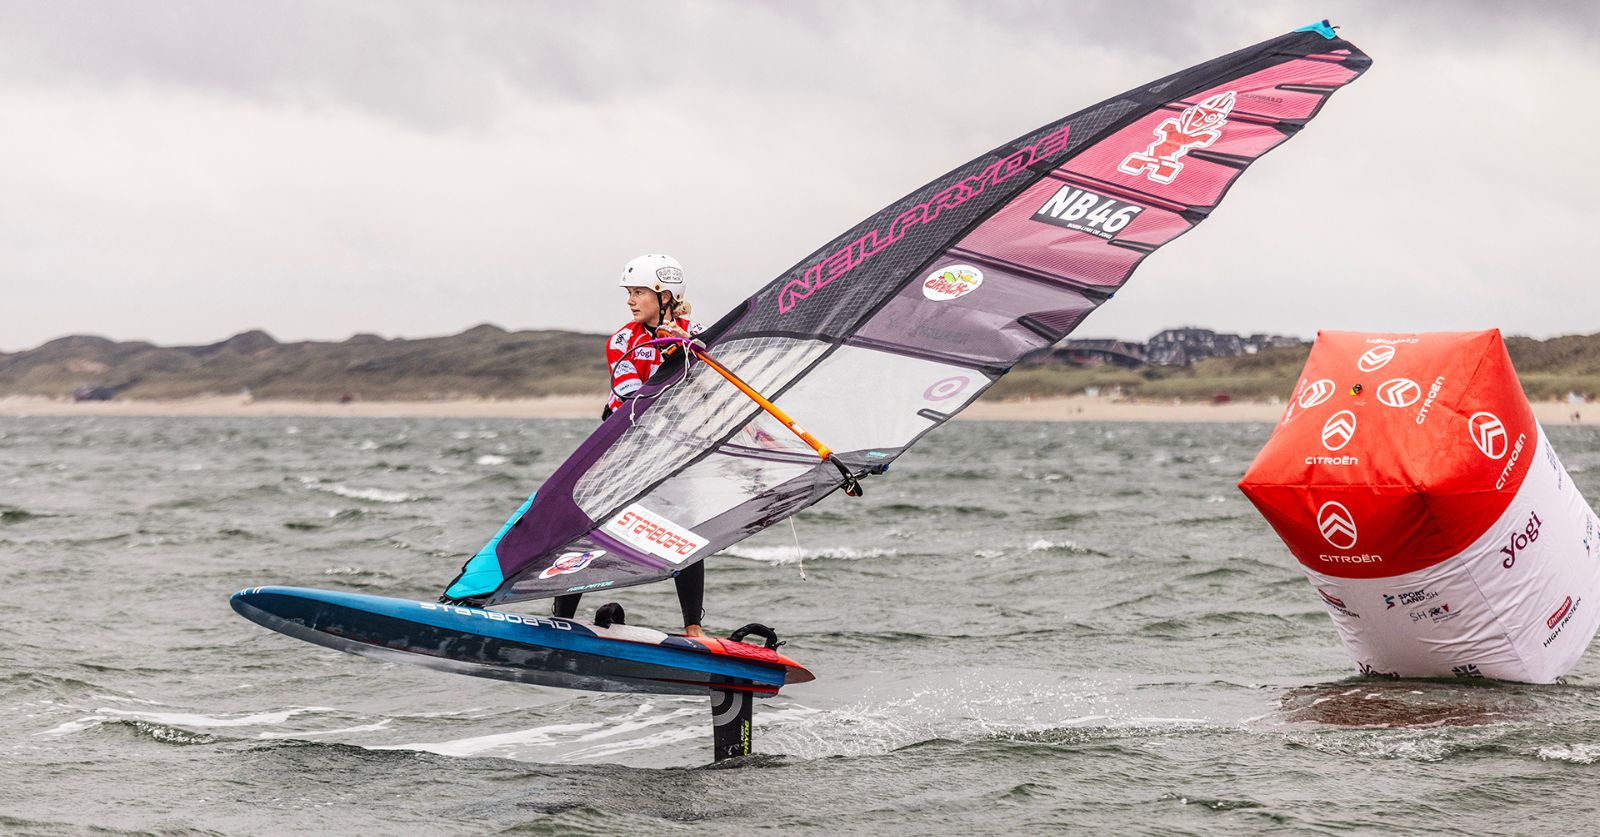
(691, 583)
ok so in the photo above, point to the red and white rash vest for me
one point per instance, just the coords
(632, 365)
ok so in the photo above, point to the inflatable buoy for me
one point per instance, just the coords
(1438, 526)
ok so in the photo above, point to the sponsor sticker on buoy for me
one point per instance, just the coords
(952, 282)
(1339, 429)
(1399, 392)
(571, 562)
(1488, 433)
(1315, 393)
(1338, 527)
(1375, 358)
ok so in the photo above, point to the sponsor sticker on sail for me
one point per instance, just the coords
(952, 282)
(1198, 126)
(654, 534)
(571, 562)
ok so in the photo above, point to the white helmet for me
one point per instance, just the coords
(658, 273)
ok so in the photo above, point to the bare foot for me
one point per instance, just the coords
(693, 630)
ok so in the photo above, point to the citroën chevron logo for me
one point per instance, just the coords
(1315, 393)
(1399, 392)
(1337, 525)
(1488, 433)
(1338, 430)
(1375, 358)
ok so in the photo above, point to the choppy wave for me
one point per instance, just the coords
(104, 715)
(1149, 687)
(13, 514)
(964, 709)
(789, 555)
(652, 724)
(374, 495)
(1576, 753)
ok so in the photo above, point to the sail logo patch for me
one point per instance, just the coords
(1400, 392)
(1315, 393)
(946, 389)
(1197, 127)
(952, 282)
(570, 563)
(1338, 527)
(1083, 211)
(1488, 433)
(1339, 429)
(653, 534)
(1375, 358)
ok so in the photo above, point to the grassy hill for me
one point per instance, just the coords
(488, 361)
(485, 361)
(1549, 369)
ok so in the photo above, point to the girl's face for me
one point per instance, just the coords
(644, 304)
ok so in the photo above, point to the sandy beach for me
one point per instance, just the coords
(1074, 408)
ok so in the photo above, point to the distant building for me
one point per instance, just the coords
(1183, 346)
(1173, 347)
(1256, 342)
(1124, 353)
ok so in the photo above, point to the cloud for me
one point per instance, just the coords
(182, 171)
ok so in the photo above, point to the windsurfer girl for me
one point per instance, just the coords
(656, 302)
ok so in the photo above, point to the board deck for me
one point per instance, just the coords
(542, 650)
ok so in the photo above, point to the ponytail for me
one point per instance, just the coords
(678, 308)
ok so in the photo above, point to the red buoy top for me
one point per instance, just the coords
(1396, 451)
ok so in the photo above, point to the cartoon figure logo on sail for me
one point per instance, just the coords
(1197, 127)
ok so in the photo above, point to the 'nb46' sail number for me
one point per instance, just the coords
(1087, 212)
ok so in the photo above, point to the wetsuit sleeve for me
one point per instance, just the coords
(691, 583)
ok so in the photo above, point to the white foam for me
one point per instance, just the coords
(1577, 753)
(553, 742)
(375, 495)
(374, 727)
(961, 708)
(788, 554)
(491, 459)
(180, 719)
(1043, 545)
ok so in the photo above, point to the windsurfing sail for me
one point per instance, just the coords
(889, 330)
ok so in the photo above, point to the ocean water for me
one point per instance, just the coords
(1023, 627)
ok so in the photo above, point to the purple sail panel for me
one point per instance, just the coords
(900, 322)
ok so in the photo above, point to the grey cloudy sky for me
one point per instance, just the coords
(182, 171)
